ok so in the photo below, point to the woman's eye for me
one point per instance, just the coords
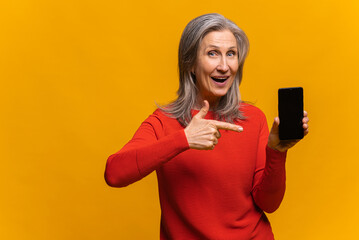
(231, 54)
(211, 54)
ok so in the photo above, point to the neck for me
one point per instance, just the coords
(213, 102)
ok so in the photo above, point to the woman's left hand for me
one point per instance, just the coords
(283, 145)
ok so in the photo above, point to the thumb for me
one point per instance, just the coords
(275, 126)
(204, 110)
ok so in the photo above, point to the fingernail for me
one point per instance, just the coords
(240, 129)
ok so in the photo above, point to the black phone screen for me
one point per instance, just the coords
(290, 106)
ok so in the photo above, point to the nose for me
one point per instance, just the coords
(223, 65)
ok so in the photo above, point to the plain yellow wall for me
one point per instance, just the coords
(78, 77)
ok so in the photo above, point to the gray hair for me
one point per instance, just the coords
(192, 36)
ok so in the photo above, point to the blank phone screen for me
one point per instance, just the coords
(290, 106)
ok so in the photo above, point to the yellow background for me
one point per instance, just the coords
(78, 78)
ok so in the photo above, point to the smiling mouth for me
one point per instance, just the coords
(219, 79)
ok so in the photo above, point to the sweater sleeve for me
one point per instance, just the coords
(269, 179)
(145, 152)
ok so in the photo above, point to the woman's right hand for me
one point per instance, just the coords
(203, 134)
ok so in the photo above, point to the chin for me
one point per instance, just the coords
(220, 93)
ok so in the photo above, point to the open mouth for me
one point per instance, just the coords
(219, 79)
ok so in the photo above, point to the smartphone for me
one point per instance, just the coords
(290, 108)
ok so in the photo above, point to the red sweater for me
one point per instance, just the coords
(206, 194)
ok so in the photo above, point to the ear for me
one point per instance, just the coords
(193, 74)
(193, 70)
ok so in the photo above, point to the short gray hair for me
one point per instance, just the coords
(192, 36)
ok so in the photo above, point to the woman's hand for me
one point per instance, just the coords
(283, 145)
(203, 134)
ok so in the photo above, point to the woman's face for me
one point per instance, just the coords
(216, 65)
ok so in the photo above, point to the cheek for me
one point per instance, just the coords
(234, 66)
(206, 66)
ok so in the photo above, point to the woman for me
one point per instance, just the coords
(221, 191)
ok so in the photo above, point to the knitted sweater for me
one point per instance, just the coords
(206, 194)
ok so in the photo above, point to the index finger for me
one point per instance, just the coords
(227, 126)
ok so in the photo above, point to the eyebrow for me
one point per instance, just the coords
(215, 46)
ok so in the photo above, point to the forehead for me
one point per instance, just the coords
(223, 38)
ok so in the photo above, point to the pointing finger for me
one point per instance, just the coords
(227, 126)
